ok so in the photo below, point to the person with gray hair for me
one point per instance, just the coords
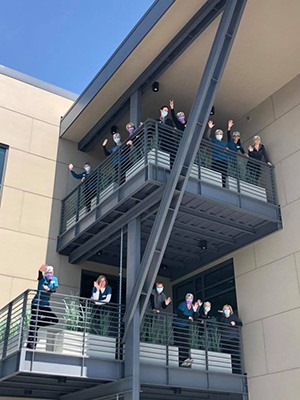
(256, 152)
(41, 312)
(186, 313)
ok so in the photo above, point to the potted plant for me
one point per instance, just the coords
(71, 340)
(197, 345)
(218, 361)
(101, 342)
(155, 336)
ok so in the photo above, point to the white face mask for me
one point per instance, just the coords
(219, 137)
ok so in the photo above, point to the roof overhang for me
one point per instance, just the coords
(264, 58)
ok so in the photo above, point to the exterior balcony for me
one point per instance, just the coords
(83, 353)
(230, 201)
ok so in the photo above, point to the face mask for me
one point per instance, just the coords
(181, 119)
(117, 140)
(207, 309)
(87, 168)
(189, 301)
(219, 137)
(48, 277)
(159, 289)
(130, 130)
(227, 312)
(164, 114)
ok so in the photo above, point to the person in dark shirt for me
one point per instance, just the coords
(230, 336)
(256, 152)
(219, 153)
(41, 312)
(89, 183)
(163, 118)
(204, 312)
(117, 159)
(179, 118)
(158, 299)
(186, 312)
(233, 144)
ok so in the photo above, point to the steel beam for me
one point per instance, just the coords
(186, 154)
(135, 108)
(95, 242)
(132, 344)
(217, 219)
(103, 391)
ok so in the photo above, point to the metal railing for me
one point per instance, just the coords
(157, 144)
(69, 325)
(76, 326)
(205, 345)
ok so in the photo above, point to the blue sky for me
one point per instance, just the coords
(64, 42)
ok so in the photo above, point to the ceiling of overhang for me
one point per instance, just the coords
(265, 56)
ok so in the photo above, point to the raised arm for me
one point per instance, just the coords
(106, 151)
(229, 126)
(210, 125)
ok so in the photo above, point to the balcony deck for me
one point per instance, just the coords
(220, 219)
(72, 359)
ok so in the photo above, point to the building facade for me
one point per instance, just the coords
(38, 145)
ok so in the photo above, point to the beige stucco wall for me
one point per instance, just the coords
(36, 179)
(268, 272)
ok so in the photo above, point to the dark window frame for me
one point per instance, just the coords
(201, 276)
(3, 168)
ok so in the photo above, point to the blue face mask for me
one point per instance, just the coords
(159, 289)
(164, 114)
(117, 140)
(219, 137)
(206, 309)
(87, 168)
(227, 313)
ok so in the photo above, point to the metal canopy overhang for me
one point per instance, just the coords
(226, 220)
(196, 22)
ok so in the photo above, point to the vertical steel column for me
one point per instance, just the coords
(186, 154)
(135, 108)
(132, 343)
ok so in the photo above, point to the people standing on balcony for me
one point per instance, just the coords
(118, 158)
(163, 118)
(101, 291)
(204, 312)
(41, 312)
(256, 152)
(233, 144)
(186, 313)
(230, 336)
(179, 119)
(219, 152)
(158, 299)
(101, 296)
(89, 183)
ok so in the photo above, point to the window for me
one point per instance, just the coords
(3, 153)
(216, 285)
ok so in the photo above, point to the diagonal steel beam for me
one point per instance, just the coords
(186, 154)
(95, 242)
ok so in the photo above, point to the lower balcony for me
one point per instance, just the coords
(83, 352)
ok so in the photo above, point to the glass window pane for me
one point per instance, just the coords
(218, 275)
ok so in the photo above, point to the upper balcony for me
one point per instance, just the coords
(83, 355)
(229, 202)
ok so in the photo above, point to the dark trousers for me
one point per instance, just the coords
(181, 339)
(222, 167)
(40, 316)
